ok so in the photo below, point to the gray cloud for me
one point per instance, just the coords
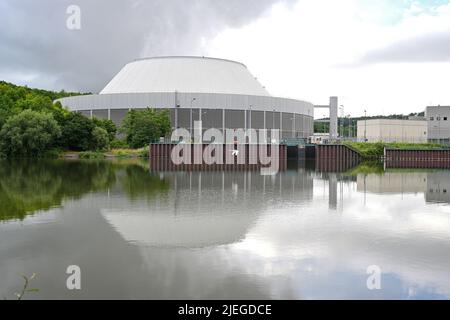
(34, 40)
(425, 48)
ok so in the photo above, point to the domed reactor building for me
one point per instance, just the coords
(222, 94)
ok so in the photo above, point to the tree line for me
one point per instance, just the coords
(31, 125)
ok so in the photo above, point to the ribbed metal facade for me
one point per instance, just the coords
(292, 117)
(221, 93)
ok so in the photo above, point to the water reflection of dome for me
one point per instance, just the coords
(183, 217)
(169, 230)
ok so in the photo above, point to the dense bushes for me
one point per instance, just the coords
(32, 125)
(76, 132)
(108, 125)
(80, 133)
(119, 144)
(100, 139)
(29, 133)
(144, 126)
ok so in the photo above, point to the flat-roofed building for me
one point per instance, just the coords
(393, 130)
(438, 118)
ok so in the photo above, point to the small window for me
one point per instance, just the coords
(445, 118)
(438, 118)
(431, 119)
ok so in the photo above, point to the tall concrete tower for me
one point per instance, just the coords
(333, 117)
(333, 107)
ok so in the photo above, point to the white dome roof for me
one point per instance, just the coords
(185, 74)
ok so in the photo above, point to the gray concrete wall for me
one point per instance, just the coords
(438, 119)
(294, 118)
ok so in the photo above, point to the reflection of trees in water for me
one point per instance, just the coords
(138, 182)
(28, 186)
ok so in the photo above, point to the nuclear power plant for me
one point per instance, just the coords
(221, 93)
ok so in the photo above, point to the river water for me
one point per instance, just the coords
(300, 234)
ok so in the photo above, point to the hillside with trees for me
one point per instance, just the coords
(31, 125)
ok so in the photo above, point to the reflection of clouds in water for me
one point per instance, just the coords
(237, 235)
(296, 248)
(411, 244)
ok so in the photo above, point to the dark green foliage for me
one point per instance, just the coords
(6, 107)
(80, 133)
(100, 139)
(119, 144)
(108, 125)
(137, 183)
(29, 186)
(142, 127)
(14, 99)
(29, 134)
(34, 102)
(52, 154)
(17, 92)
(76, 132)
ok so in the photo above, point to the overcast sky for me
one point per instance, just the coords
(385, 56)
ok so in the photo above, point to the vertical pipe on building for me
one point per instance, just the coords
(281, 125)
(190, 122)
(265, 126)
(223, 124)
(245, 120)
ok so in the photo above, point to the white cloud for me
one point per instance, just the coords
(316, 49)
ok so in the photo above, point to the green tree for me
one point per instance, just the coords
(6, 109)
(28, 134)
(100, 139)
(15, 99)
(144, 126)
(108, 125)
(76, 132)
(34, 102)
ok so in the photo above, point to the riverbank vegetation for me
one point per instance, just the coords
(376, 150)
(29, 186)
(123, 153)
(32, 126)
(144, 126)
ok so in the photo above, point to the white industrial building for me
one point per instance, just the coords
(393, 130)
(221, 93)
(438, 118)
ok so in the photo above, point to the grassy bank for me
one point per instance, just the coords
(376, 150)
(114, 153)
